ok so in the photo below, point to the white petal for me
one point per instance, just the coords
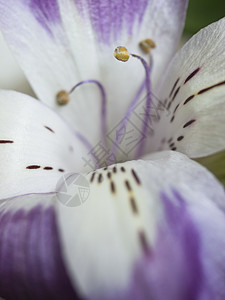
(59, 46)
(106, 236)
(11, 77)
(193, 121)
(36, 146)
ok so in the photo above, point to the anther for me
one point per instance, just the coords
(62, 97)
(147, 45)
(121, 54)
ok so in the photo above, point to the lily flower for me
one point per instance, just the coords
(151, 228)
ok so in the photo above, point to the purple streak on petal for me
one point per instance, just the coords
(109, 19)
(129, 15)
(174, 270)
(187, 244)
(141, 7)
(116, 13)
(105, 17)
(31, 265)
(45, 12)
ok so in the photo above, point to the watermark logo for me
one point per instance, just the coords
(73, 189)
(128, 133)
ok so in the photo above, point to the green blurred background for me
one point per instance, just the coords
(203, 12)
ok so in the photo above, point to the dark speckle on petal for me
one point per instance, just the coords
(192, 75)
(6, 142)
(50, 129)
(174, 86)
(135, 176)
(188, 123)
(100, 178)
(33, 167)
(180, 138)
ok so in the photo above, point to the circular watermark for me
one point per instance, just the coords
(73, 189)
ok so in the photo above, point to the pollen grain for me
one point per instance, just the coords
(147, 45)
(121, 53)
(62, 97)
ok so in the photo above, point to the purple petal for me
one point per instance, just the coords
(177, 267)
(174, 269)
(31, 265)
(185, 249)
(45, 12)
(107, 16)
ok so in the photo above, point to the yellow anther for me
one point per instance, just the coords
(147, 45)
(62, 97)
(121, 53)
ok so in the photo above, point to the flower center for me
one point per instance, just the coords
(121, 53)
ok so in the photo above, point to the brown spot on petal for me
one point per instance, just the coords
(112, 186)
(114, 169)
(188, 99)
(211, 87)
(175, 94)
(180, 138)
(128, 185)
(144, 243)
(100, 178)
(192, 75)
(174, 86)
(6, 142)
(133, 205)
(135, 176)
(92, 177)
(188, 123)
(176, 108)
(122, 169)
(49, 129)
(33, 167)
(171, 120)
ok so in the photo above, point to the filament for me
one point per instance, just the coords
(103, 105)
(148, 103)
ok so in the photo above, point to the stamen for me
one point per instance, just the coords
(148, 102)
(147, 45)
(103, 104)
(63, 98)
(148, 97)
(121, 54)
(129, 111)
